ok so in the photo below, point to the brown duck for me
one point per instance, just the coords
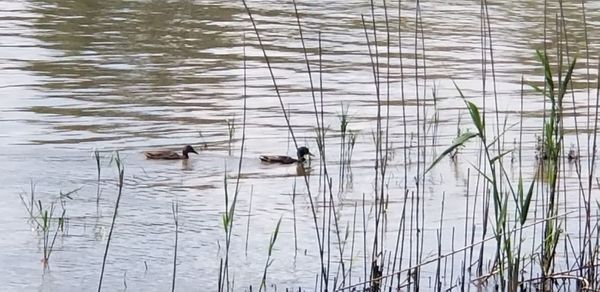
(282, 159)
(170, 155)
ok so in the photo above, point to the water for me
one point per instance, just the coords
(135, 75)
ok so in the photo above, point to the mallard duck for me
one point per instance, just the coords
(170, 155)
(302, 152)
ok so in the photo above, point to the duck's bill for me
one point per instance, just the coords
(194, 151)
(310, 154)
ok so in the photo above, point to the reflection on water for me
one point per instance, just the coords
(132, 69)
(131, 75)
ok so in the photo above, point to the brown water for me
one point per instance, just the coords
(134, 75)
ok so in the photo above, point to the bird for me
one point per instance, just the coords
(573, 155)
(282, 159)
(170, 155)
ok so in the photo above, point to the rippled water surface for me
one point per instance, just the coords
(129, 76)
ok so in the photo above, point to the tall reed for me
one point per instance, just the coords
(120, 183)
(229, 214)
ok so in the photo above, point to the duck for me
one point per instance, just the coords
(573, 155)
(170, 155)
(282, 159)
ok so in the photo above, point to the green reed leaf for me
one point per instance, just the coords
(460, 141)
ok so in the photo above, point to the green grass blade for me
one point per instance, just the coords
(565, 83)
(473, 111)
(527, 202)
(501, 135)
(460, 140)
(500, 156)
(547, 71)
(274, 237)
(476, 117)
(538, 89)
(489, 179)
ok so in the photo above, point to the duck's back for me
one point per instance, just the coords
(277, 159)
(161, 155)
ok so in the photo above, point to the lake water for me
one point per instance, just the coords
(128, 76)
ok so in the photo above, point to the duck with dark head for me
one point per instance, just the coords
(282, 159)
(170, 155)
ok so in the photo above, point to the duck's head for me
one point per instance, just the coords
(188, 149)
(303, 151)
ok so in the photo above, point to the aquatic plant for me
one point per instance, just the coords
(347, 143)
(49, 233)
(97, 158)
(175, 210)
(263, 282)
(44, 219)
(120, 183)
(553, 145)
(228, 216)
(230, 132)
